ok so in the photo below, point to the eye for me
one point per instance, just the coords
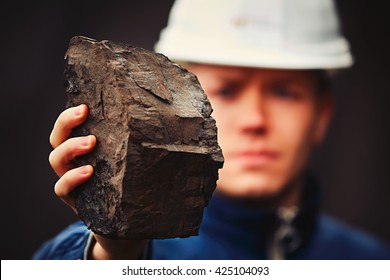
(227, 92)
(284, 92)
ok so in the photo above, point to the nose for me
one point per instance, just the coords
(253, 119)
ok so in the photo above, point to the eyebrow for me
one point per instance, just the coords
(231, 77)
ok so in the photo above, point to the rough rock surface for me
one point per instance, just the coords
(157, 158)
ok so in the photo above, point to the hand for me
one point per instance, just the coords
(61, 160)
(65, 150)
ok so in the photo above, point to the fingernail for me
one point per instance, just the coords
(85, 141)
(85, 169)
(79, 110)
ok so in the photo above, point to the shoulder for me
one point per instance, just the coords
(335, 239)
(68, 244)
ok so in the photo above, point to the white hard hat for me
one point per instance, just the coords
(299, 34)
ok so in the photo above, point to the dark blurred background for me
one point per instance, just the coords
(353, 161)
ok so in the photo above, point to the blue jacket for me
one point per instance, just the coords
(231, 229)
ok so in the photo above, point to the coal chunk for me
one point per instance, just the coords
(157, 157)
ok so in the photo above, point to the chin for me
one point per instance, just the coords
(260, 186)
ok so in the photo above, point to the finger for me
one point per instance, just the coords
(61, 158)
(70, 181)
(66, 121)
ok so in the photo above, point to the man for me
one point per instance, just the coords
(264, 67)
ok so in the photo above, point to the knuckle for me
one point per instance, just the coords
(52, 142)
(58, 188)
(52, 158)
(62, 185)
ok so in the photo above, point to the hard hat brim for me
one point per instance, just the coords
(285, 57)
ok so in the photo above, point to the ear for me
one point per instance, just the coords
(325, 112)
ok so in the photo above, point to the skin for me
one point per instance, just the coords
(268, 122)
(65, 149)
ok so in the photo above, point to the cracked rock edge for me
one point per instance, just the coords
(157, 157)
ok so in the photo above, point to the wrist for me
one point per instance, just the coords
(109, 249)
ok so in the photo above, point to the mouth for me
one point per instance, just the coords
(255, 158)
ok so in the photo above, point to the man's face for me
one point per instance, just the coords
(268, 121)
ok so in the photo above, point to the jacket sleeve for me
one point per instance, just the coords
(69, 244)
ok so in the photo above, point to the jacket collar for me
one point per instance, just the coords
(253, 228)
